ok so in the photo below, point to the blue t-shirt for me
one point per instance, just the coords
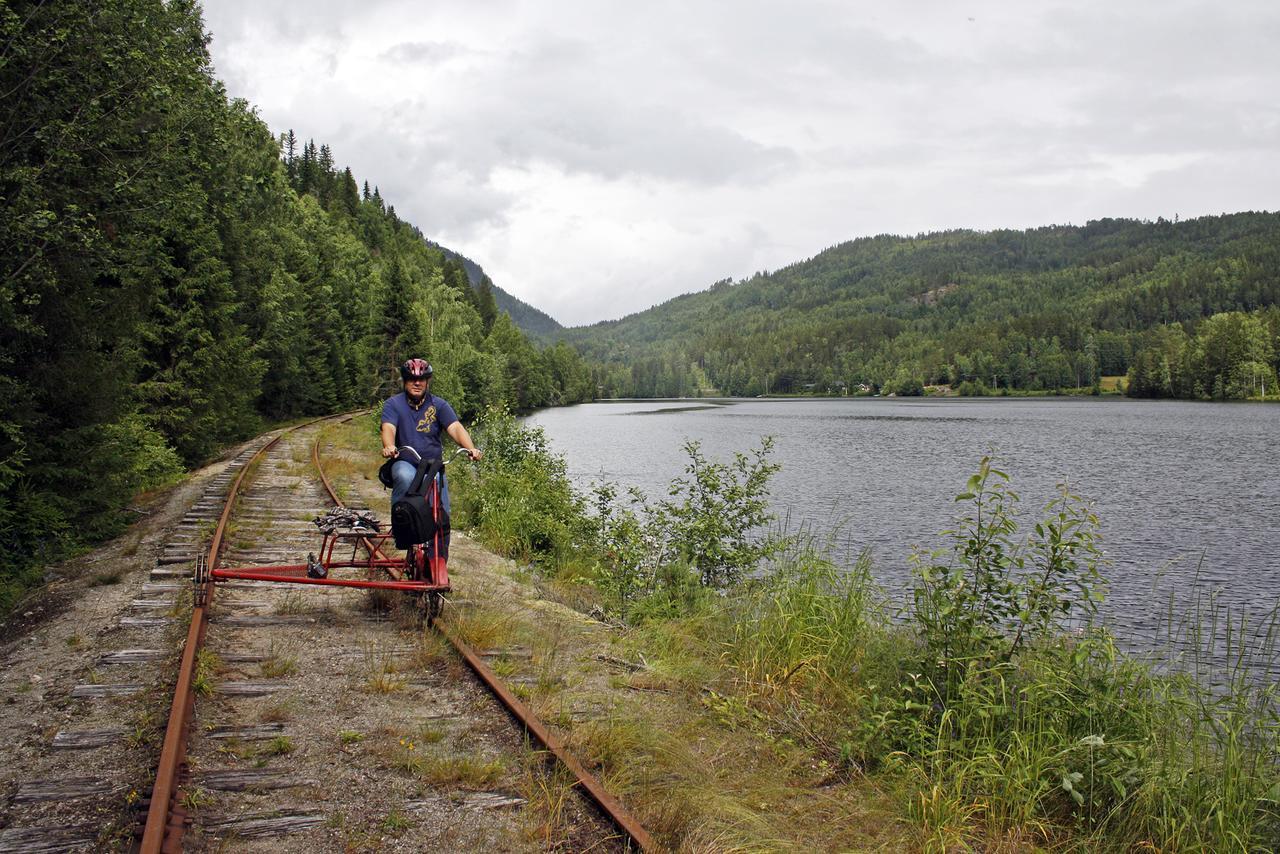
(419, 427)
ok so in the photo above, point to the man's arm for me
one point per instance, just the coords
(460, 435)
(388, 439)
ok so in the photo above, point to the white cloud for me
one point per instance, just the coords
(599, 158)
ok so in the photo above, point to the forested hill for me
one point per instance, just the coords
(173, 278)
(1043, 308)
(530, 320)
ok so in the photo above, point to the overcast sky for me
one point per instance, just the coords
(599, 157)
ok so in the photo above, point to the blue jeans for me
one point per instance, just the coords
(402, 474)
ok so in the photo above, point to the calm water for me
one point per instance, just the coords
(1188, 493)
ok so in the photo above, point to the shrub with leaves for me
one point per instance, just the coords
(520, 500)
(993, 596)
(627, 547)
(655, 561)
(714, 522)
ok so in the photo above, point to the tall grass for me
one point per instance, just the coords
(1067, 743)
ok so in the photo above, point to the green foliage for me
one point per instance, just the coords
(994, 596)
(648, 561)
(714, 524)
(905, 384)
(996, 719)
(659, 562)
(806, 624)
(627, 546)
(1041, 309)
(1232, 355)
(972, 388)
(519, 499)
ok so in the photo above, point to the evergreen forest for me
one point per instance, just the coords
(1184, 309)
(173, 278)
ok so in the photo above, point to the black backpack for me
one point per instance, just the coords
(414, 519)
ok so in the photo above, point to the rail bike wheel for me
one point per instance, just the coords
(416, 562)
(427, 605)
(200, 582)
(416, 569)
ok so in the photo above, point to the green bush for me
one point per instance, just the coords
(648, 561)
(39, 525)
(972, 388)
(714, 524)
(627, 565)
(519, 499)
(994, 596)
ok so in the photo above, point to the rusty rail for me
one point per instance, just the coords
(166, 820)
(610, 805)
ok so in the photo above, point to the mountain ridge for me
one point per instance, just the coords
(1043, 307)
(530, 320)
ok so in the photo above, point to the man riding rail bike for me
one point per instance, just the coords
(412, 422)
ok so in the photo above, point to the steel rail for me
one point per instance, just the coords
(609, 805)
(166, 819)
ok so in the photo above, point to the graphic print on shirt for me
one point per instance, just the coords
(428, 418)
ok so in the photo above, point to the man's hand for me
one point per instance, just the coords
(475, 454)
(387, 452)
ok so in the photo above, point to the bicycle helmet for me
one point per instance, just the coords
(415, 369)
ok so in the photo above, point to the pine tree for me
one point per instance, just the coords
(289, 147)
(306, 182)
(324, 175)
(487, 303)
(349, 196)
(455, 276)
(395, 313)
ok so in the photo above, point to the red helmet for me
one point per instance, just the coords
(415, 369)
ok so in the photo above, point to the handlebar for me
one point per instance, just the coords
(415, 456)
(455, 454)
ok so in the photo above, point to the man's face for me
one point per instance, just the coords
(416, 386)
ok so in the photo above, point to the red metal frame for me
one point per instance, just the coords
(422, 574)
(417, 572)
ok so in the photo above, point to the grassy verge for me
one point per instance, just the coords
(792, 706)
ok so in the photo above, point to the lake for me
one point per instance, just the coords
(1187, 493)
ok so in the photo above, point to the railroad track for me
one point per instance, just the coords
(304, 718)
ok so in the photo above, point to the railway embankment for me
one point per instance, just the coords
(324, 718)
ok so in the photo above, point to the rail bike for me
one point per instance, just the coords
(422, 572)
